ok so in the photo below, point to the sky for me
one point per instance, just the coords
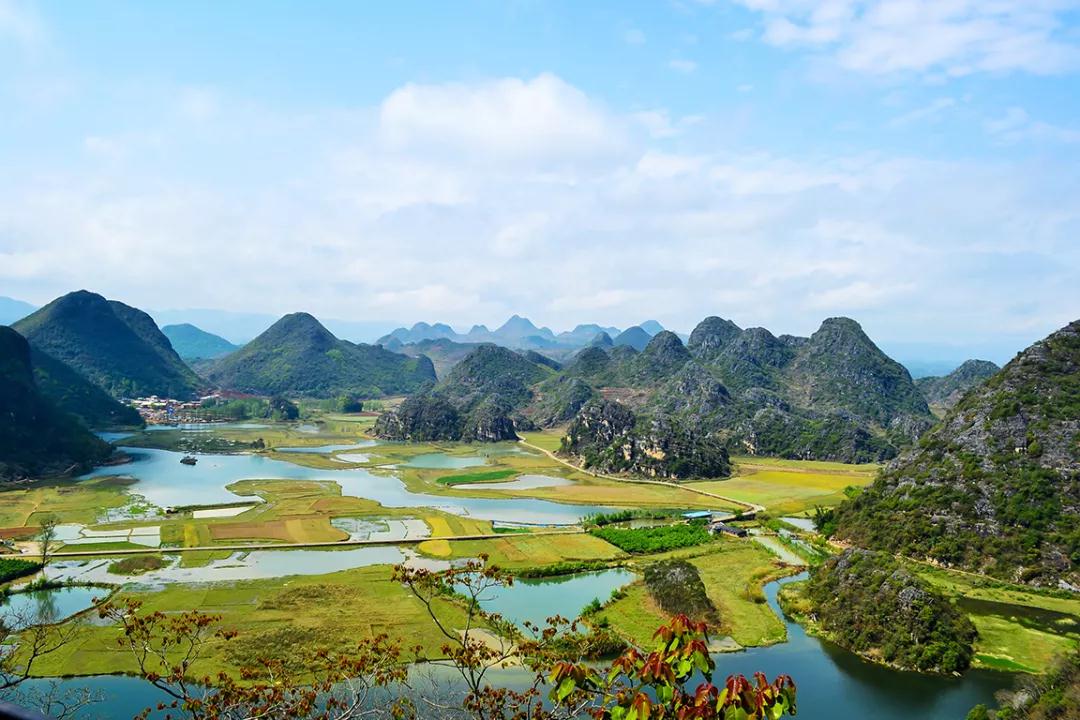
(912, 164)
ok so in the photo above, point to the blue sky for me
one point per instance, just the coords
(909, 163)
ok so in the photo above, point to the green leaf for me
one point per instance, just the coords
(566, 687)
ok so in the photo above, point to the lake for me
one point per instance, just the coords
(48, 606)
(165, 482)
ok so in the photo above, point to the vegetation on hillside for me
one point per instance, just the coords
(1054, 695)
(36, 437)
(609, 437)
(73, 393)
(996, 486)
(299, 357)
(867, 602)
(116, 347)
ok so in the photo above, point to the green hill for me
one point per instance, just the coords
(297, 356)
(192, 343)
(74, 394)
(833, 396)
(476, 401)
(36, 437)
(116, 347)
(995, 487)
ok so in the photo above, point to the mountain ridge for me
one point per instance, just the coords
(297, 355)
(117, 347)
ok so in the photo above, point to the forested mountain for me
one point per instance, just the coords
(995, 487)
(297, 356)
(833, 395)
(943, 392)
(443, 353)
(73, 393)
(36, 437)
(192, 343)
(116, 347)
(474, 402)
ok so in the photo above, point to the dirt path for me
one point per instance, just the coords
(752, 507)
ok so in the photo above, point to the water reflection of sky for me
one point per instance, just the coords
(165, 482)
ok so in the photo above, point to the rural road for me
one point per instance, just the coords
(641, 481)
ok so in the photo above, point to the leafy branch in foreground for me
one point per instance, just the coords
(167, 649)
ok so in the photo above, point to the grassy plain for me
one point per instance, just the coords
(22, 507)
(275, 618)
(733, 572)
(528, 550)
(789, 486)
(1008, 640)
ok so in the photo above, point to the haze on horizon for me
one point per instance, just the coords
(909, 163)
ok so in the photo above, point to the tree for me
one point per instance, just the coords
(167, 649)
(29, 638)
(46, 537)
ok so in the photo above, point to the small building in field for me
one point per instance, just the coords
(719, 527)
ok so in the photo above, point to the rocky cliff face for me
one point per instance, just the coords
(607, 436)
(995, 486)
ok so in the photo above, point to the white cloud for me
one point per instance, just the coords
(468, 201)
(939, 37)
(543, 120)
(682, 65)
(1016, 126)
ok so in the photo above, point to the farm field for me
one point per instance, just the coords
(273, 619)
(526, 550)
(790, 486)
(733, 572)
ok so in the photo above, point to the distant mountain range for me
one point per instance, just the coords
(517, 333)
(995, 487)
(12, 310)
(298, 356)
(114, 346)
(36, 437)
(192, 343)
(834, 395)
